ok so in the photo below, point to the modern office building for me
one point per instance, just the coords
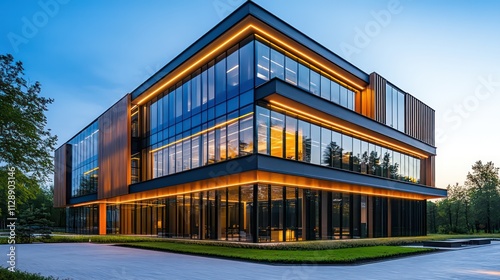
(254, 133)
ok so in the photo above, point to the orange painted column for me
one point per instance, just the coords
(102, 219)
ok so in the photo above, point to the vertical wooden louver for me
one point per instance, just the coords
(419, 120)
(60, 176)
(114, 150)
(377, 84)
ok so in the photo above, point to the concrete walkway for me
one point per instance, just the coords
(95, 261)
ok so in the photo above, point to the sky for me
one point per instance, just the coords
(89, 54)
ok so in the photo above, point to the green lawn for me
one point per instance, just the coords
(330, 256)
(19, 275)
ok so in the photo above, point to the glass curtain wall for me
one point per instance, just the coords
(394, 108)
(292, 138)
(258, 213)
(84, 164)
(271, 63)
(206, 118)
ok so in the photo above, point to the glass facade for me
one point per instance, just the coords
(394, 108)
(205, 119)
(268, 213)
(209, 117)
(272, 63)
(84, 165)
(83, 220)
(297, 139)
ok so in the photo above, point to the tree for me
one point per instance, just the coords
(25, 143)
(483, 183)
(32, 223)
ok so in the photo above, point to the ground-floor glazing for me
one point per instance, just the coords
(258, 213)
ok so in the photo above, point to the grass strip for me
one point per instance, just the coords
(329, 256)
(20, 275)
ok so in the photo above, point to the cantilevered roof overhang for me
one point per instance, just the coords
(246, 20)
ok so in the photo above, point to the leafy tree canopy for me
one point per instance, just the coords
(25, 142)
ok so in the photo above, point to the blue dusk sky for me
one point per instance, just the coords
(88, 54)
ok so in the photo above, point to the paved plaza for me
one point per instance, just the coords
(98, 261)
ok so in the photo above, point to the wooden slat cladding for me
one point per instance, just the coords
(60, 176)
(419, 120)
(114, 150)
(377, 85)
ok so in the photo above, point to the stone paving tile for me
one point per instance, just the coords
(98, 261)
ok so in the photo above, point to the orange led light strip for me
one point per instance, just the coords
(201, 132)
(90, 171)
(230, 40)
(284, 107)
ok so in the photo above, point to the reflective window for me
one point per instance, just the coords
(395, 108)
(276, 137)
(290, 138)
(322, 146)
(220, 80)
(84, 165)
(246, 67)
(233, 78)
(304, 76)
(262, 55)
(277, 65)
(315, 83)
(291, 70)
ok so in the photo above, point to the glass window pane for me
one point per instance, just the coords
(304, 141)
(171, 159)
(220, 81)
(343, 96)
(290, 142)
(336, 149)
(211, 86)
(246, 136)
(195, 151)
(356, 155)
(233, 78)
(262, 63)
(335, 92)
(325, 87)
(346, 152)
(303, 76)
(196, 94)
(153, 113)
(277, 213)
(401, 112)
(291, 71)
(246, 67)
(350, 99)
(395, 108)
(277, 65)
(388, 105)
(326, 152)
(315, 144)
(186, 155)
(211, 147)
(186, 102)
(315, 83)
(386, 162)
(178, 104)
(276, 137)
(232, 140)
(262, 130)
(178, 157)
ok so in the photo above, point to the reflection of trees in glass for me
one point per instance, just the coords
(386, 162)
(88, 184)
(244, 147)
(332, 155)
(373, 162)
